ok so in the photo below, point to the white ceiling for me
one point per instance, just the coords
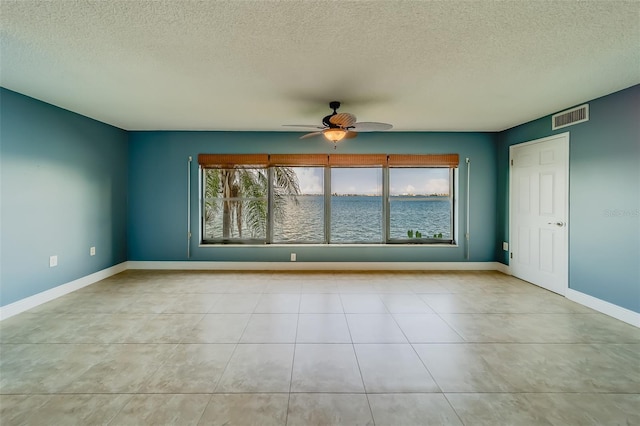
(256, 65)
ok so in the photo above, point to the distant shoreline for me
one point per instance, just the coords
(417, 197)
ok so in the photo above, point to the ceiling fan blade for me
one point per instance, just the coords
(370, 126)
(310, 135)
(350, 135)
(309, 126)
(343, 119)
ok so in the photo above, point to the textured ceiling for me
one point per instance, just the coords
(255, 65)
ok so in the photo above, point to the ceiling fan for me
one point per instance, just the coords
(338, 126)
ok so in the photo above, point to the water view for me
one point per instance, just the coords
(419, 205)
(359, 218)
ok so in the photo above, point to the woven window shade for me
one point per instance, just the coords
(358, 160)
(298, 159)
(424, 160)
(345, 160)
(232, 160)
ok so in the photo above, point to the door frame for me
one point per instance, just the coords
(566, 137)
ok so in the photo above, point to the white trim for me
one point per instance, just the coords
(25, 304)
(534, 141)
(317, 266)
(501, 267)
(467, 208)
(332, 245)
(63, 289)
(53, 293)
(189, 207)
(604, 307)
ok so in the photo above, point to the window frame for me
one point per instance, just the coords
(452, 208)
(328, 163)
(234, 241)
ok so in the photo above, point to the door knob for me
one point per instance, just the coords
(556, 223)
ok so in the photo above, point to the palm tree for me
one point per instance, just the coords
(244, 198)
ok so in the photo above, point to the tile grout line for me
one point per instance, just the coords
(231, 356)
(293, 360)
(415, 351)
(443, 320)
(353, 348)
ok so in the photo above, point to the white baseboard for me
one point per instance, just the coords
(48, 295)
(15, 308)
(51, 294)
(604, 307)
(501, 267)
(317, 266)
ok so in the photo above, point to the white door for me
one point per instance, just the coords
(539, 212)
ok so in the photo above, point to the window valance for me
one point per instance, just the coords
(344, 160)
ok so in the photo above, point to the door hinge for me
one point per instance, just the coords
(510, 255)
(512, 162)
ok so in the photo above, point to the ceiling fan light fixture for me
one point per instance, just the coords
(334, 135)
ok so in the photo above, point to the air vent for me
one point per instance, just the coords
(570, 117)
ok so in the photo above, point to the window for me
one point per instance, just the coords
(339, 199)
(420, 204)
(298, 214)
(235, 204)
(356, 205)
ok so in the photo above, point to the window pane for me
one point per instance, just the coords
(356, 205)
(300, 218)
(242, 219)
(235, 203)
(419, 203)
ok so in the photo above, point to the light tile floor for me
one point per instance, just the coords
(304, 348)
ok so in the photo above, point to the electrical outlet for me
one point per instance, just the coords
(53, 261)
(92, 251)
(293, 257)
(505, 246)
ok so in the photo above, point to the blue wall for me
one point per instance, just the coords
(64, 189)
(66, 180)
(604, 196)
(157, 225)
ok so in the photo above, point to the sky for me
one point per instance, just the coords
(368, 181)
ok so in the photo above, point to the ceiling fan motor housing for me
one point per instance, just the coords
(327, 122)
(334, 105)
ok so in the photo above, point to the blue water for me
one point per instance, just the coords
(302, 222)
(359, 219)
(428, 215)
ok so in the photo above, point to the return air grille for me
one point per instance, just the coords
(570, 117)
